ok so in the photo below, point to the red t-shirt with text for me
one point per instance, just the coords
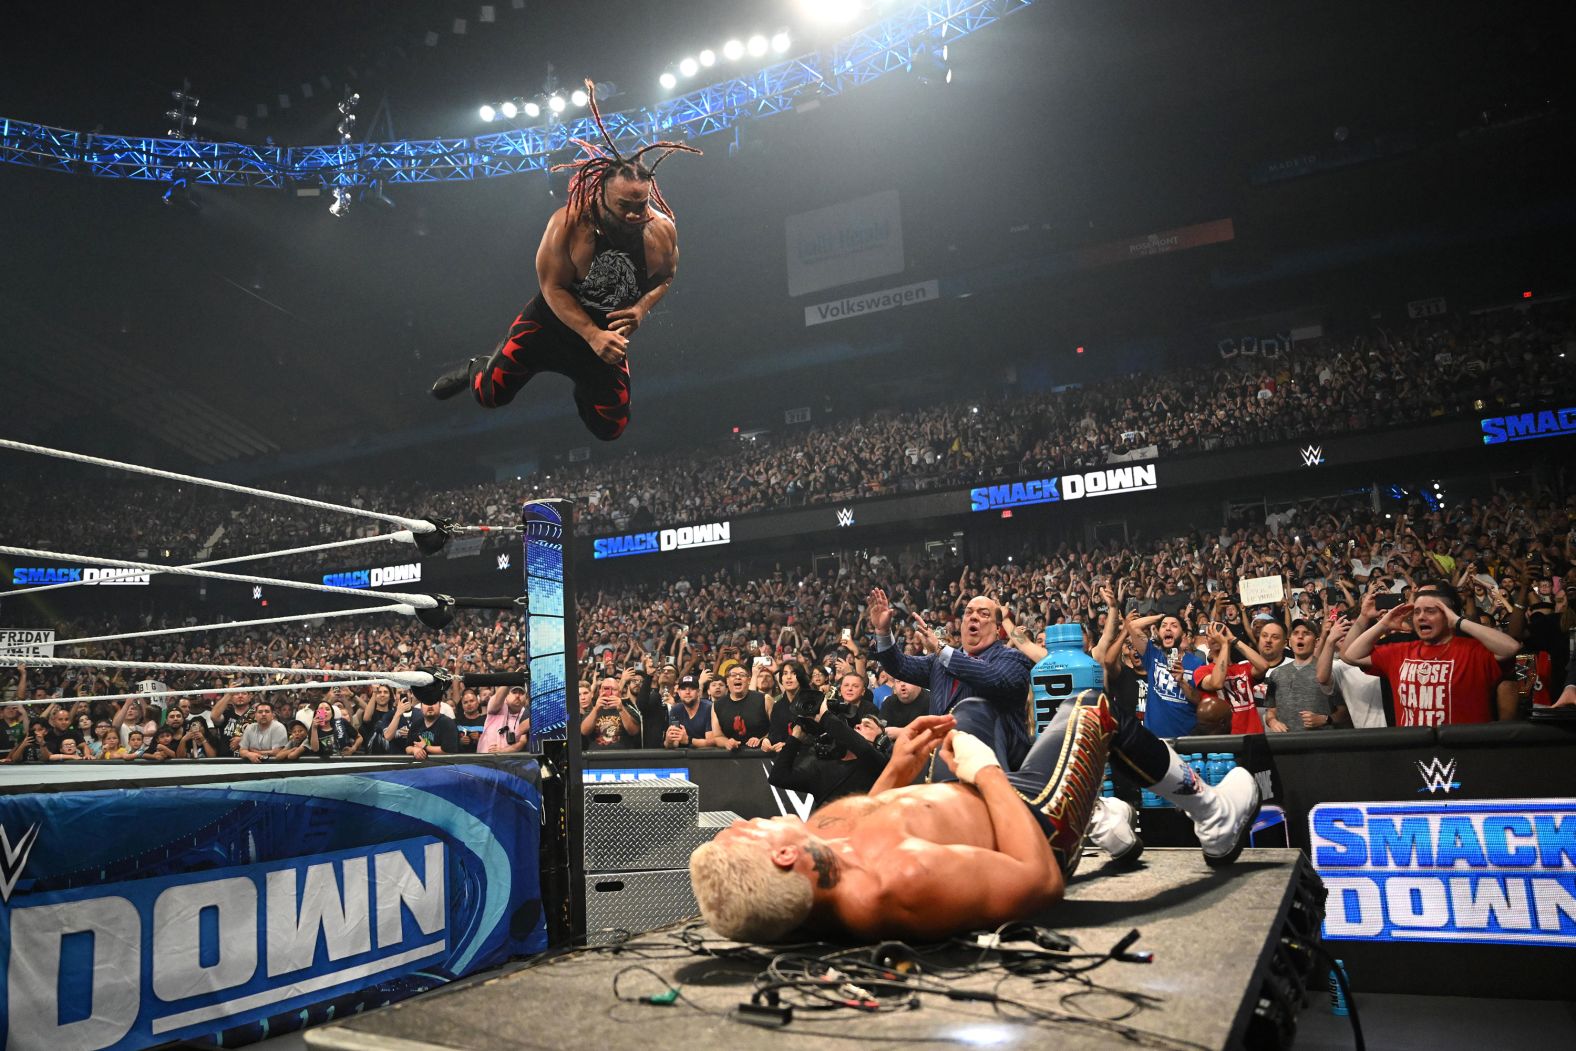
(1239, 691)
(1439, 685)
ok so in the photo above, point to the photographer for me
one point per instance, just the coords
(841, 760)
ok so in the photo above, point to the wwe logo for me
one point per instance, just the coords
(1313, 456)
(845, 516)
(503, 562)
(257, 592)
(13, 859)
(1438, 776)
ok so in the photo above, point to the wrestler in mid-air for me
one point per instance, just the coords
(606, 259)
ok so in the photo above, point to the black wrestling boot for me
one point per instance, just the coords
(451, 383)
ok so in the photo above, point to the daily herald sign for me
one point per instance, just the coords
(1135, 478)
(1499, 870)
(656, 540)
(144, 962)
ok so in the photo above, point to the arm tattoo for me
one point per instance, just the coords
(825, 865)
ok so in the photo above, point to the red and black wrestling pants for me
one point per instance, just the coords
(538, 342)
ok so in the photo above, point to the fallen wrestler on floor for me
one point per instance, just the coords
(927, 861)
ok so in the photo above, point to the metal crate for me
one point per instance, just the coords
(641, 825)
(636, 902)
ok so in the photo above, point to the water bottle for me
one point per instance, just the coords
(1337, 994)
(1215, 767)
(1065, 671)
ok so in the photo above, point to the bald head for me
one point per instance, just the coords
(981, 623)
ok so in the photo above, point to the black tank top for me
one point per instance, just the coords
(617, 277)
(742, 720)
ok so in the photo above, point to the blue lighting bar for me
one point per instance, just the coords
(885, 47)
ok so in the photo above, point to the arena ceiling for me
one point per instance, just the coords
(262, 326)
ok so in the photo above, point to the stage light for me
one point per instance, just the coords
(830, 12)
(556, 103)
(756, 46)
(579, 97)
(1080, 350)
(341, 206)
(668, 81)
(348, 103)
(781, 43)
(733, 50)
(487, 113)
(532, 109)
(1526, 295)
(708, 58)
(688, 67)
(185, 100)
(509, 110)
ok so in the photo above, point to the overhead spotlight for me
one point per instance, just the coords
(733, 50)
(756, 46)
(345, 127)
(185, 100)
(374, 195)
(780, 43)
(487, 113)
(930, 67)
(531, 109)
(509, 110)
(556, 103)
(688, 67)
(668, 81)
(341, 206)
(179, 195)
(830, 12)
(579, 97)
(188, 120)
(708, 58)
(348, 103)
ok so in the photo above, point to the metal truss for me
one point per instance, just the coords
(886, 47)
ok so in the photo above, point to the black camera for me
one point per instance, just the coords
(805, 711)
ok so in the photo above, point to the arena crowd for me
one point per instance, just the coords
(1441, 367)
(720, 661)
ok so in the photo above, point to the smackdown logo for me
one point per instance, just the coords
(23, 577)
(663, 540)
(1449, 871)
(1110, 481)
(381, 577)
(1550, 423)
(151, 961)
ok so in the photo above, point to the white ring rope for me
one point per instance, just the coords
(415, 525)
(71, 702)
(399, 536)
(405, 679)
(401, 608)
(419, 601)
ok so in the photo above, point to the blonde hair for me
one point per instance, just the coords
(744, 896)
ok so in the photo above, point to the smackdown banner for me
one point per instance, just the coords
(1110, 481)
(379, 577)
(1528, 426)
(28, 576)
(227, 912)
(1499, 870)
(654, 541)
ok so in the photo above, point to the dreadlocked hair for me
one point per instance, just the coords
(592, 171)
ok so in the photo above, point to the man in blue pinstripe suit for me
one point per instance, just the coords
(984, 684)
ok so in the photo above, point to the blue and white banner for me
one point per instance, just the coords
(1106, 482)
(137, 917)
(1454, 870)
(378, 577)
(650, 543)
(1528, 426)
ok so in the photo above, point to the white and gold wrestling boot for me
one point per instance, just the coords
(1225, 829)
(1113, 828)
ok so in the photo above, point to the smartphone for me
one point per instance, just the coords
(1389, 600)
(847, 634)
